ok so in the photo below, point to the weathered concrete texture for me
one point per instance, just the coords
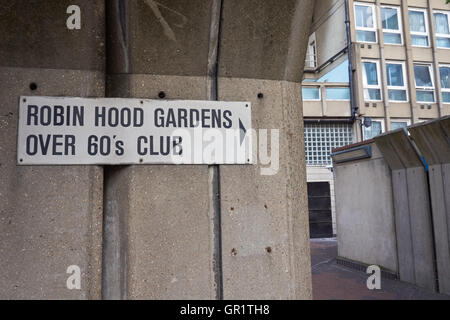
(165, 37)
(164, 46)
(50, 217)
(265, 232)
(433, 143)
(440, 200)
(265, 236)
(167, 231)
(365, 212)
(414, 230)
(45, 41)
(264, 39)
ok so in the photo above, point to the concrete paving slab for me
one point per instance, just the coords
(335, 282)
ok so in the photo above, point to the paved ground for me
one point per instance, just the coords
(332, 281)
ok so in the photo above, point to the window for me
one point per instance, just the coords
(371, 78)
(321, 138)
(374, 130)
(442, 26)
(392, 29)
(445, 83)
(311, 55)
(423, 75)
(311, 93)
(418, 23)
(338, 74)
(338, 94)
(396, 81)
(366, 28)
(397, 124)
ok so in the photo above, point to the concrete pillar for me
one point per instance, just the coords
(413, 221)
(158, 218)
(265, 229)
(164, 240)
(433, 143)
(50, 217)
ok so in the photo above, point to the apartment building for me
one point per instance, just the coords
(372, 66)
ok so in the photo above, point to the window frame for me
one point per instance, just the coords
(400, 25)
(312, 46)
(427, 27)
(310, 87)
(365, 82)
(405, 81)
(383, 128)
(441, 35)
(431, 89)
(408, 121)
(337, 87)
(444, 89)
(374, 18)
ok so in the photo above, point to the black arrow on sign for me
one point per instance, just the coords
(242, 130)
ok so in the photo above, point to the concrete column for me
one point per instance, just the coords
(265, 232)
(163, 235)
(50, 217)
(158, 222)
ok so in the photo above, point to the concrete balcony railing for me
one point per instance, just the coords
(324, 99)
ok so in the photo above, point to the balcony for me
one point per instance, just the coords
(310, 62)
(326, 99)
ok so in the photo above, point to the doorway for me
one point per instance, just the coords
(319, 204)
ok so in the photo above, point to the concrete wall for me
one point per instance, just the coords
(413, 221)
(167, 246)
(168, 232)
(329, 27)
(432, 139)
(50, 217)
(365, 212)
(419, 218)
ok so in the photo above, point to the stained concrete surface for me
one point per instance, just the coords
(335, 282)
(265, 230)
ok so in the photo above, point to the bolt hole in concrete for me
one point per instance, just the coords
(269, 250)
(260, 95)
(33, 86)
(161, 94)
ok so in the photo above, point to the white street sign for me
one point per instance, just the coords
(82, 131)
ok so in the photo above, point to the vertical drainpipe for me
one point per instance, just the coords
(409, 61)
(437, 85)
(350, 65)
(383, 74)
